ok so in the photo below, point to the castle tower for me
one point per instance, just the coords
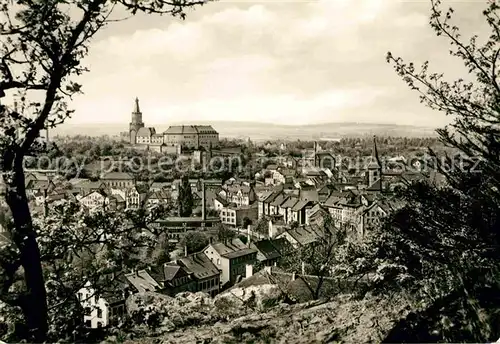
(136, 122)
(375, 169)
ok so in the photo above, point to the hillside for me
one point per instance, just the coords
(231, 318)
(265, 131)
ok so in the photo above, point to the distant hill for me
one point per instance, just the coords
(266, 131)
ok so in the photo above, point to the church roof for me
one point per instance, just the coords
(136, 106)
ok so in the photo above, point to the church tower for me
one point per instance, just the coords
(136, 122)
(374, 170)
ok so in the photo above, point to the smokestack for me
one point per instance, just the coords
(203, 202)
(249, 237)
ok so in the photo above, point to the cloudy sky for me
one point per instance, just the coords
(288, 62)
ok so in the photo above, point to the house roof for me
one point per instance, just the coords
(306, 234)
(117, 176)
(269, 248)
(298, 287)
(232, 249)
(278, 200)
(301, 204)
(190, 129)
(289, 203)
(142, 281)
(265, 195)
(199, 265)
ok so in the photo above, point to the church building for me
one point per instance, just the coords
(187, 136)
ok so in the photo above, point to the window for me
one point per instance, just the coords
(88, 311)
(99, 324)
(88, 323)
(99, 312)
(80, 296)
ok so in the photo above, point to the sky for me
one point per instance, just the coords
(286, 62)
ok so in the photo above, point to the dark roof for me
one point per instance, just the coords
(301, 204)
(232, 249)
(270, 248)
(199, 265)
(278, 200)
(290, 202)
(306, 234)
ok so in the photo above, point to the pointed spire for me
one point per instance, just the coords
(374, 159)
(136, 106)
(375, 150)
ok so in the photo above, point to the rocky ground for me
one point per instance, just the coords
(258, 315)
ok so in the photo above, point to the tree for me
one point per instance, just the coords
(194, 241)
(39, 61)
(447, 236)
(225, 234)
(317, 258)
(185, 198)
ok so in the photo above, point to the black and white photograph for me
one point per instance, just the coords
(249, 171)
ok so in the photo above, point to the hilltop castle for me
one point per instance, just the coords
(188, 136)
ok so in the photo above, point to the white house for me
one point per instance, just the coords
(97, 310)
(95, 200)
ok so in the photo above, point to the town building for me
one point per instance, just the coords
(205, 272)
(231, 258)
(234, 216)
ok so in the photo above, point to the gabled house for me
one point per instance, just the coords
(143, 281)
(39, 186)
(231, 258)
(241, 195)
(302, 235)
(299, 211)
(204, 271)
(263, 206)
(95, 200)
(107, 308)
(174, 278)
(156, 197)
(134, 199)
(285, 209)
(269, 251)
(274, 206)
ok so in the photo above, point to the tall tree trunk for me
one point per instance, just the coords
(34, 304)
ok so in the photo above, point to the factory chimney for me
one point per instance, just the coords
(203, 201)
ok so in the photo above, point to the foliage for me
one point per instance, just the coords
(42, 49)
(185, 198)
(318, 257)
(77, 248)
(443, 246)
(194, 241)
(225, 234)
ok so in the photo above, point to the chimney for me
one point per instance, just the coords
(293, 276)
(249, 270)
(303, 268)
(271, 230)
(203, 201)
(249, 237)
(185, 251)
